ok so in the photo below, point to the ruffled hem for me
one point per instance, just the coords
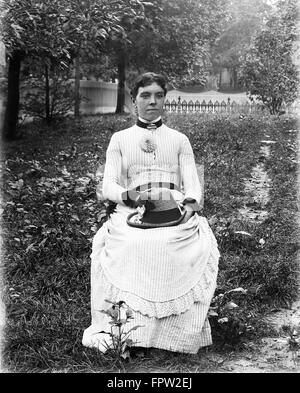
(202, 292)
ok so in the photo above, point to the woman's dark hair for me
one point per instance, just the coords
(147, 79)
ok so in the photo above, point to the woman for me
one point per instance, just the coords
(165, 274)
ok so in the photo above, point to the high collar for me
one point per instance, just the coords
(149, 125)
(149, 122)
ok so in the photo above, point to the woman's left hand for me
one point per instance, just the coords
(189, 213)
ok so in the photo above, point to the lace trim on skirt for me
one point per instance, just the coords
(202, 292)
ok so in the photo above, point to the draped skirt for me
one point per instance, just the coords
(167, 276)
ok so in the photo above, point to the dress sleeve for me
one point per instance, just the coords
(112, 182)
(188, 171)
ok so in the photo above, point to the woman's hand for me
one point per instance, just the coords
(132, 198)
(189, 212)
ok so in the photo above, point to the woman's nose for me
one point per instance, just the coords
(152, 99)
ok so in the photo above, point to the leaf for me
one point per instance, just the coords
(240, 289)
(231, 306)
(42, 243)
(16, 185)
(134, 328)
(65, 172)
(242, 233)
(129, 342)
(79, 190)
(101, 215)
(125, 355)
(213, 220)
(223, 320)
(30, 247)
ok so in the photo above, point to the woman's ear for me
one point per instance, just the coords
(134, 105)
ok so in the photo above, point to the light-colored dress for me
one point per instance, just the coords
(166, 275)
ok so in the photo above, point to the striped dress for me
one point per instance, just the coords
(167, 276)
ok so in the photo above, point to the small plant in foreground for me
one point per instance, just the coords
(120, 314)
(229, 321)
(294, 342)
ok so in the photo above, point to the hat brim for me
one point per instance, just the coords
(147, 225)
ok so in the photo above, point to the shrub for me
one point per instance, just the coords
(230, 322)
(47, 103)
(269, 71)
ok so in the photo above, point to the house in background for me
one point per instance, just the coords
(221, 79)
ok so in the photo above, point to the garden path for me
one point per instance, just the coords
(271, 354)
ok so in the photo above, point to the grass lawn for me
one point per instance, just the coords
(50, 215)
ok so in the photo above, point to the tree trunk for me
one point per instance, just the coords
(235, 78)
(77, 88)
(121, 84)
(47, 95)
(13, 96)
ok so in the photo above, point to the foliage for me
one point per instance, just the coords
(60, 94)
(231, 322)
(269, 71)
(35, 27)
(294, 341)
(91, 24)
(175, 41)
(243, 20)
(53, 31)
(166, 37)
(57, 28)
(120, 343)
(98, 66)
(30, 28)
(50, 214)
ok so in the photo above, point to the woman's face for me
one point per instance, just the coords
(150, 101)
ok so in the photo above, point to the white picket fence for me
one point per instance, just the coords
(191, 106)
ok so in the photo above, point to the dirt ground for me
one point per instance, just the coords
(266, 355)
(270, 355)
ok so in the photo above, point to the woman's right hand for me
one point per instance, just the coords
(132, 198)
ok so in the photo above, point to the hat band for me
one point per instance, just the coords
(160, 184)
(162, 217)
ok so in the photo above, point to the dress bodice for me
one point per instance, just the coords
(128, 165)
